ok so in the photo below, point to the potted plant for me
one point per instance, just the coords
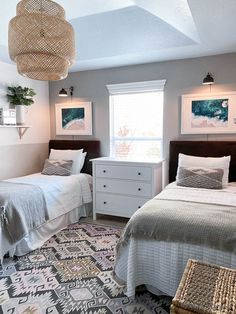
(20, 97)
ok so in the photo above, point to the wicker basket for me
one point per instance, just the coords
(205, 289)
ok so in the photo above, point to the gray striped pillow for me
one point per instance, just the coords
(200, 178)
(57, 167)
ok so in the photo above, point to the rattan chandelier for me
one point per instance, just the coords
(41, 41)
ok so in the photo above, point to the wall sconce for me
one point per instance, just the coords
(208, 80)
(63, 92)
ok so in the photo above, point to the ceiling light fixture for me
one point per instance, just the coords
(208, 80)
(41, 41)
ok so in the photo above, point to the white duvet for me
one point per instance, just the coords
(161, 264)
(62, 193)
(225, 197)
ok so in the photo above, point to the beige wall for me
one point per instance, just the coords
(26, 155)
(183, 77)
(20, 160)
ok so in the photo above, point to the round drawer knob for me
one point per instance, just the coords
(139, 173)
(104, 186)
(139, 206)
(104, 171)
(139, 189)
(104, 203)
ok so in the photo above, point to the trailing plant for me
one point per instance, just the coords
(18, 95)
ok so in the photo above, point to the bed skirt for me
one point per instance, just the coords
(160, 265)
(36, 238)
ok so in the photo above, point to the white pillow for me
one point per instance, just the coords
(207, 162)
(68, 154)
(82, 159)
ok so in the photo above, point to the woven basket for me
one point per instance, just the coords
(41, 41)
(205, 289)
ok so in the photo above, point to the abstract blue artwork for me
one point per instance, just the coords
(74, 118)
(210, 113)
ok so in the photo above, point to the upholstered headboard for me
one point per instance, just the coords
(202, 149)
(91, 147)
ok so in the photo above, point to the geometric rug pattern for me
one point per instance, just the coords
(70, 274)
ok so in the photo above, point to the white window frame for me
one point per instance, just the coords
(132, 88)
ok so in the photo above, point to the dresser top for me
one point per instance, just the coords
(125, 161)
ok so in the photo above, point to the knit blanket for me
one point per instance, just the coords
(167, 218)
(22, 209)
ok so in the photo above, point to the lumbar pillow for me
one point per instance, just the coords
(206, 162)
(68, 154)
(57, 167)
(200, 178)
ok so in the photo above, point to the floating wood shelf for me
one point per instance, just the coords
(20, 128)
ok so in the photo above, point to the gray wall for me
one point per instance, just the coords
(183, 77)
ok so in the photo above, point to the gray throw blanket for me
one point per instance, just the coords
(209, 225)
(22, 209)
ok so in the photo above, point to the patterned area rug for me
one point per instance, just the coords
(72, 273)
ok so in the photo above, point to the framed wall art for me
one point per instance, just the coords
(74, 118)
(208, 114)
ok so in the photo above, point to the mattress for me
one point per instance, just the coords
(160, 264)
(67, 199)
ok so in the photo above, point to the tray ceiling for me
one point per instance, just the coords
(123, 32)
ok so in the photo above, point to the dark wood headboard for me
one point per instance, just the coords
(91, 147)
(202, 149)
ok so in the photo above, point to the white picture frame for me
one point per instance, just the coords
(73, 118)
(213, 113)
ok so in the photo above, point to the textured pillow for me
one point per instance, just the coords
(68, 154)
(57, 167)
(187, 161)
(200, 178)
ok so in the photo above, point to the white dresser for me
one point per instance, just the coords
(122, 187)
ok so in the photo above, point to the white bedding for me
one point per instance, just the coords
(161, 264)
(63, 194)
(226, 196)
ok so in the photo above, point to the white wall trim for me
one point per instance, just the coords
(136, 87)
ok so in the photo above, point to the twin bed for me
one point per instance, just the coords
(67, 198)
(178, 224)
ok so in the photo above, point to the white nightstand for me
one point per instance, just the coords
(122, 187)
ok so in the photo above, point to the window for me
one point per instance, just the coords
(136, 120)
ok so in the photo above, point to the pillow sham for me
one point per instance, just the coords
(68, 154)
(57, 167)
(206, 162)
(204, 178)
(82, 160)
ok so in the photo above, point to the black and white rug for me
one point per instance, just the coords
(72, 273)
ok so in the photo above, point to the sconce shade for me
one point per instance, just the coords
(63, 93)
(41, 41)
(208, 80)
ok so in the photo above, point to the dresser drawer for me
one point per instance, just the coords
(121, 172)
(124, 187)
(118, 205)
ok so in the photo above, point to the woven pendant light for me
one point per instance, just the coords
(41, 41)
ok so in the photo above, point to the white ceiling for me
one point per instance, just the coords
(122, 32)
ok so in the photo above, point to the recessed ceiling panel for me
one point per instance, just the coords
(78, 8)
(120, 32)
(174, 12)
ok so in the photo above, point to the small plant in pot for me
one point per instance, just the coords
(20, 97)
